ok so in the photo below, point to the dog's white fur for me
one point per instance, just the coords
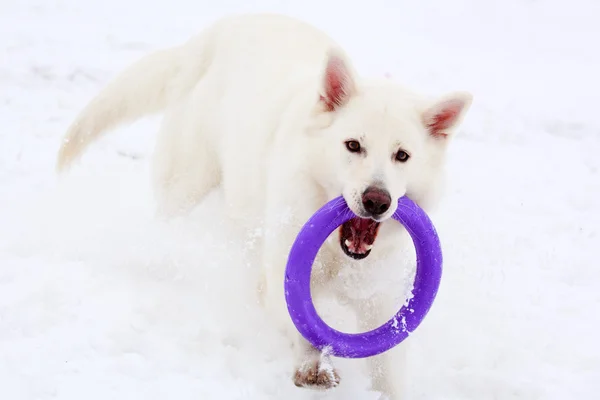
(262, 105)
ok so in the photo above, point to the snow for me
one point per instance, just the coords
(99, 300)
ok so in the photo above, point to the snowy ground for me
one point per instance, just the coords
(98, 300)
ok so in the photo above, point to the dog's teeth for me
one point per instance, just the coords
(368, 247)
(348, 243)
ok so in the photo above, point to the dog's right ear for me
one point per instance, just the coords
(338, 84)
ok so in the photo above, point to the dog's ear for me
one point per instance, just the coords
(446, 114)
(338, 83)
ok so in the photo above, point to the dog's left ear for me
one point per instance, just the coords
(338, 83)
(446, 114)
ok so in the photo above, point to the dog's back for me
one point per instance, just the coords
(241, 58)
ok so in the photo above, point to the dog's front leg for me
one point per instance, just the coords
(287, 212)
(388, 370)
(313, 369)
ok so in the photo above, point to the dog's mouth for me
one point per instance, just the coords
(357, 237)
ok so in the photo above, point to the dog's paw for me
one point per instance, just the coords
(317, 374)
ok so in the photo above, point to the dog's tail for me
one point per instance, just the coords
(144, 88)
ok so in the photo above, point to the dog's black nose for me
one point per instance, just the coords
(376, 201)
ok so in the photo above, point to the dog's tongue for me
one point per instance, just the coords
(359, 234)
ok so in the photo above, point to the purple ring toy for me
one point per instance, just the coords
(409, 317)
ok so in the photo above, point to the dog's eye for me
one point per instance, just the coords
(402, 156)
(353, 146)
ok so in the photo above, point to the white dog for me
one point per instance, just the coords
(271, 109)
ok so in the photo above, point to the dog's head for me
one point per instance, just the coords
(376, 142)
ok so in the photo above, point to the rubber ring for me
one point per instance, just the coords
(359, 345)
